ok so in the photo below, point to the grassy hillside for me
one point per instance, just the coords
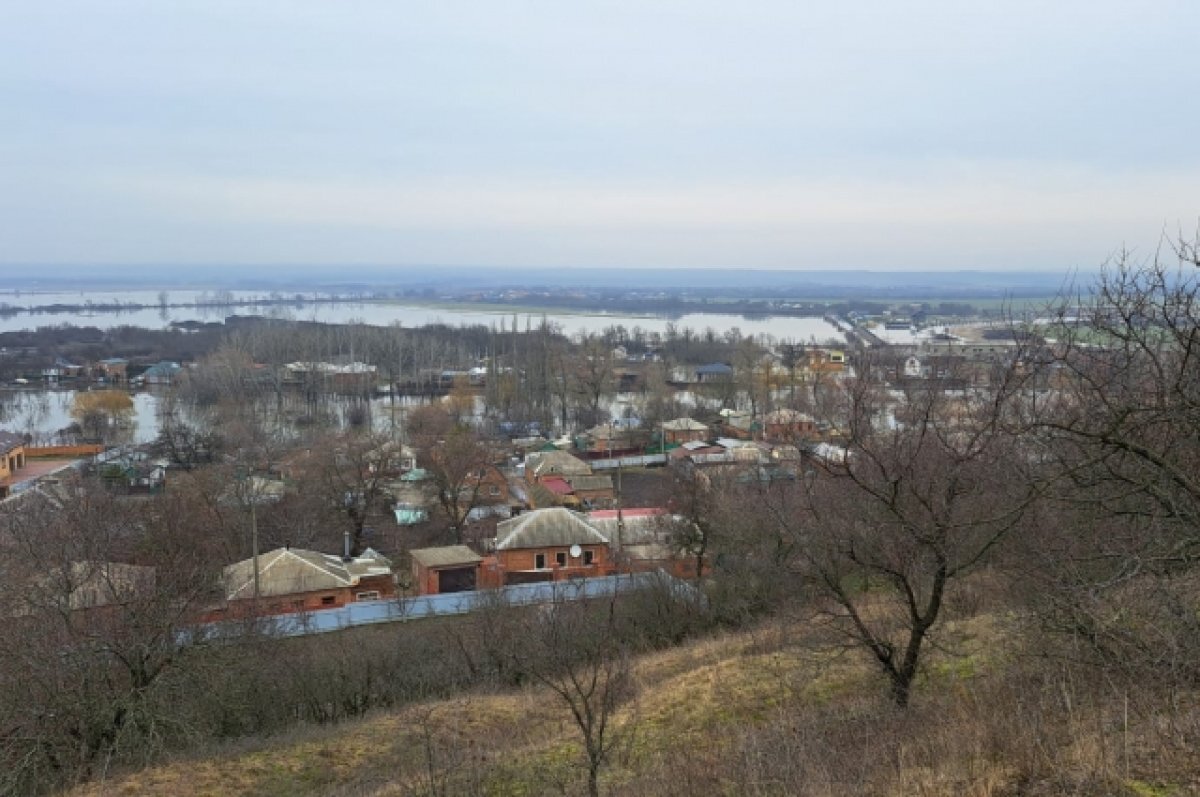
(776, 710)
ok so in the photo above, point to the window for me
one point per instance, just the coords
(494, 490)
(539, 561)
(561, 558)
(328, 600)
(587, 557)
(369, 595)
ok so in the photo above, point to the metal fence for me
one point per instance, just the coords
(628, 462)
(392, 611)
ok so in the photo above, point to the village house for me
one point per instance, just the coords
(134, 472)
(607, 438)
(114, 370)
(96, 585)
(683, 430)
(12, 453)
(545, 545)
(644, 539)
(12, 459)
(788, 424)
(541, 465)
(61, 369)
(294, 580)
(713, 372)
(552, 491)
(349, 377)
(493, 496)
(593, 490)
(161, 373)
(738, 424)
(824, 361)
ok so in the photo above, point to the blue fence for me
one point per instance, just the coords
(392, 611)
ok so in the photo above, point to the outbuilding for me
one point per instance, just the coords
(449, 568)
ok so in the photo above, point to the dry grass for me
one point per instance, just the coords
(762, 712)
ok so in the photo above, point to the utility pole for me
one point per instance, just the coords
(254, 544)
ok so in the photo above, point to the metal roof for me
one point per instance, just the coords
(445, 556)
(684, 425)
(10, 441)
(556, 485)
(598, 482)
(289, 571)
(555, 527)
(545, 462)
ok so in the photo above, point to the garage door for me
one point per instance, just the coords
(458, 579)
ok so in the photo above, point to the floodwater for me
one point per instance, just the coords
(375, 312)
(45, 413)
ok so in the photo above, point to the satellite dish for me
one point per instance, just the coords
(576, 552)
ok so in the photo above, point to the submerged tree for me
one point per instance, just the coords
(98, 411)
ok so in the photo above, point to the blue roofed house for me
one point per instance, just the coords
(713, 372)
(161, 373)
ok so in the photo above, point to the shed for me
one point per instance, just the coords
(449, 568)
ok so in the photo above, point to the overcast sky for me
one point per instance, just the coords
(879, 135)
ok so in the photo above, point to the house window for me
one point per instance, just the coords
(494, 490)
(587, 557)
(369, 595)
(328, 600)
(539, 561)
(561, 558)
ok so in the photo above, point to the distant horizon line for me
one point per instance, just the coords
(555, 268)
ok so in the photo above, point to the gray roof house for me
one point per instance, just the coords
(555, 527)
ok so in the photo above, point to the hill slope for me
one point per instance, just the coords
(757, 712)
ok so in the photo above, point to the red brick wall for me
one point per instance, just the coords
(425, 580)
(685, 435)
(63, 451)
(524, 559)
(307, 601)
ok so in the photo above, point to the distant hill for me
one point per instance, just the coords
(798, 283)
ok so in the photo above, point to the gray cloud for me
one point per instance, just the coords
(927, 134)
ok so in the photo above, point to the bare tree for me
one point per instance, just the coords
(352, 473)
(456, 459)
(1113, 401)
(929, 486)
(575, 650)
(103, 593)
(593, 377)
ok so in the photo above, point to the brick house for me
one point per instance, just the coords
(545, 545)
(113, 369)
(12, 459)
(294, 580)
(789, 425)
(683, 430)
